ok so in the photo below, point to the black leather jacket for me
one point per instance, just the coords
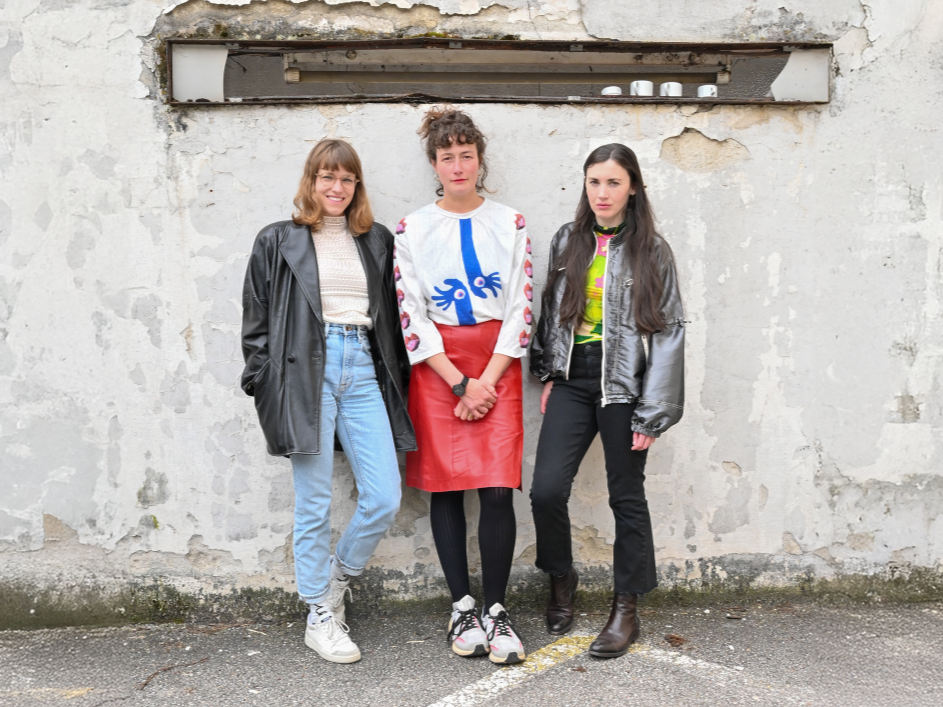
(283, 336)
(649, 370)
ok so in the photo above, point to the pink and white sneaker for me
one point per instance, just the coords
(505, 644)
(466, 633)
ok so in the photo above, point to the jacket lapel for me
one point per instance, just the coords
(297, 249)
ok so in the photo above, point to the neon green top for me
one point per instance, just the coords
(591, 329)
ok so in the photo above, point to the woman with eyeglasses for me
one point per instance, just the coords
(325, 360)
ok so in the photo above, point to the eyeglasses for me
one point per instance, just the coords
(327, 180)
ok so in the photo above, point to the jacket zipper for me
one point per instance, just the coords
(605, 293)
(569, 354)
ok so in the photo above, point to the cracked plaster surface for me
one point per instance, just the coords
(810, 260)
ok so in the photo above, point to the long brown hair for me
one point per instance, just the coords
(332, 155)
(639, 238)
(444, 126)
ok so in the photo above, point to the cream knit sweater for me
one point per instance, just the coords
(343, 283)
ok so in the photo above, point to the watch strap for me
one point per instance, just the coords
(459, 388)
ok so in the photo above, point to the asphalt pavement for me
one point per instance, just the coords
(751, 654)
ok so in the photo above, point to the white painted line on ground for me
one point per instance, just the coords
(787, 694)
(510, 677)
(568, 647)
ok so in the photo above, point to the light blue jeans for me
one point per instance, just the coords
(352, 405)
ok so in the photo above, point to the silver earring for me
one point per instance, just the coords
(436, 177)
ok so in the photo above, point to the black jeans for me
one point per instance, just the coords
(574, 416)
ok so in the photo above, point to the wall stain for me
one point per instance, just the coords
(692, 151)
(154, 491)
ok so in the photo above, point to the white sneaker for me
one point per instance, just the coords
(465, 631)
(505, 644)
(336, 591)
(328, 637)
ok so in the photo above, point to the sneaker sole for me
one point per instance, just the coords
(510, 659)
(478, 651)
(332, 658)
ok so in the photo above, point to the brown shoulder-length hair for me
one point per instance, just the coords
(639, 241)
(444, 126)
(331, 155)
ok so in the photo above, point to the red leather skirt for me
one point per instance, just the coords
(455, 455)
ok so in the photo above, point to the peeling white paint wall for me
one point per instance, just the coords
(809, 242)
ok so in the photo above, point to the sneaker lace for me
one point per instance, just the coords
(339, 589)
(466, 620)
(501, 626)
(334, 625)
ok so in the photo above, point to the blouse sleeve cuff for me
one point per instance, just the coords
(516, 352)
(426, 352)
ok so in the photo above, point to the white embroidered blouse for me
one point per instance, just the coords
(461, 269)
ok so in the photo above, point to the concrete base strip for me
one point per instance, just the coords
(510, 677)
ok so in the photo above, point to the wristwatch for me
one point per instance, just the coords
(459, 388)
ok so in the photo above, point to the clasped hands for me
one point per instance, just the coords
(480, 396)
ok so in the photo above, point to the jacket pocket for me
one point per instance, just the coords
(269, 394)
(253, 385)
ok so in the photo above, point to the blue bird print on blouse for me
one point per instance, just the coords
(457, 294)
(477, 280)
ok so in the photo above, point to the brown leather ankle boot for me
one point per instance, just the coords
(622, 629)
(560, 605)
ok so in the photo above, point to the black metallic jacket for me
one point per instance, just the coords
(650, 369)
(283, 336)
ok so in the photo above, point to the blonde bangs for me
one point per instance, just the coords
(332, 155)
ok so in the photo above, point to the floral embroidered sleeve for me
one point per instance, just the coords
(518, 307)
(420, 334)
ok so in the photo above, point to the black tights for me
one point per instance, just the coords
(497, 531)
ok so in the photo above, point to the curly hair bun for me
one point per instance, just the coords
(446, 119)
(444, 126)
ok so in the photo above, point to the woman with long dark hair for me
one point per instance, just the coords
(609, 348)
(324, 358)
(463, 279)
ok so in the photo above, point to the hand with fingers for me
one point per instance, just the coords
(479, 398)
(641, 442)
(463, 413)
(545, 396)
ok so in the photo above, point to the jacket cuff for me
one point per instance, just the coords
(645, 430)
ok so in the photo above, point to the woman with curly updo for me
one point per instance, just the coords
(463, 277)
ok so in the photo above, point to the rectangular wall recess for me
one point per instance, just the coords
(429, 69)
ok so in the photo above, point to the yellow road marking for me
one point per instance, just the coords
(550, 656)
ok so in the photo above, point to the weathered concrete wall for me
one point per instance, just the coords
(809, 243)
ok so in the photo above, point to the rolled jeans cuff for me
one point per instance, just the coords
(315, 598)
(347, 569)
